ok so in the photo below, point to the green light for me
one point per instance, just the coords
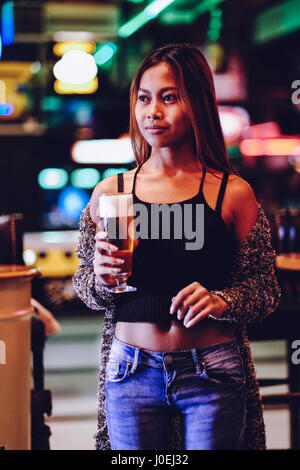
(150, 12)
(105, 53)
(113, 171)
(53, 178)
(213, 35)
(277, 21)
(177, 17)
(85, 178)
(215, 24)
(206, 5)
(133, 25)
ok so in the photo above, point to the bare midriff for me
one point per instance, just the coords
(161, 338)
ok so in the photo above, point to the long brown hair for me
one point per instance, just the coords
(197, 94)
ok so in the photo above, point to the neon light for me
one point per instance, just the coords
(73, 36)
(29, 257)
(84, 88)
(62, 48)
(277, 21)
(150, 12)
(177, 17)
(105, 53)
(113, 171)
(206, 5)
(156, 7)
(233, 120)
(270, 147)
(106, 151)
(85, 178)
(6, 109)
(2, 92)
(71, 201)
(75, 67)
(7, 23)
(53, 178)
(35, 67)
(265, 130)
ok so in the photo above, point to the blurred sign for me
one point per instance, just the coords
(14, 75)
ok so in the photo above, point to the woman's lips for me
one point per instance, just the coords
(156, 131)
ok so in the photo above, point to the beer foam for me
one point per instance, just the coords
(115, 205)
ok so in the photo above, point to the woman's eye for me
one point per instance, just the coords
(141, 98)
(168, 96)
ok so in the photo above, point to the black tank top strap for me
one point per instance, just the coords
(134, 178)
(120, 183)
(221, 193)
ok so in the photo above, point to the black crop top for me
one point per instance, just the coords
(162, 266)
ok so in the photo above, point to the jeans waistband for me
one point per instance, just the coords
(135, 354)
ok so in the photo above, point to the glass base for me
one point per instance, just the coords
(121, 289)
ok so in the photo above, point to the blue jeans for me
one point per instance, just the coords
(144, 389)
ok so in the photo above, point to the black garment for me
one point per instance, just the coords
(161, 267)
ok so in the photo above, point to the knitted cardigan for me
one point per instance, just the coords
(252, 294)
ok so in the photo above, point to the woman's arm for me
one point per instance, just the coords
(253, 291)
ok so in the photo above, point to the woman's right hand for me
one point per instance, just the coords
(105, 265)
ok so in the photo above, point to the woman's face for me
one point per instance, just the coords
(158, 105)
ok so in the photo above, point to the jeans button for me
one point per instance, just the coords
(168, 359)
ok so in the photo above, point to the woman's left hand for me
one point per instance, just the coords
(195, 302)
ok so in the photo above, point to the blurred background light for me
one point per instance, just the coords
(113, 171)
(7, 23)
(85, 178)
(0, 46)
(106, 151)
(294, 159)
(6, 109)
(271, 147)
(71, 202)
(150, 12)
(53, 178)
(105, 53)
(73, 36)
(61, 48)
(264, 130)
(75, 67)
(29, 257)
(233, 120)
(35, 67)
(156, 7)
(83, 89)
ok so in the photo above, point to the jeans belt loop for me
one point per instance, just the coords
(198, 364)
(135, 360)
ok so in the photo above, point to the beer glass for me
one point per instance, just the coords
(116, 213)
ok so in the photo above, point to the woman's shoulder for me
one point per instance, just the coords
(243, 206)
(107, 185)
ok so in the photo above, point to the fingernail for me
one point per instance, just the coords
(171, 309)
(116, 270)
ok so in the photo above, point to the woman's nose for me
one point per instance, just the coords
(154, 112)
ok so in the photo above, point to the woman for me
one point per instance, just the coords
(178, 364)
